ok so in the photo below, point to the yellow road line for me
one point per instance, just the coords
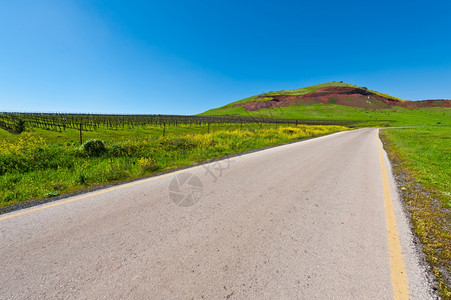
(397, 268)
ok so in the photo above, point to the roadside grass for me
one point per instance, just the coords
(42, 164)
(421, 159)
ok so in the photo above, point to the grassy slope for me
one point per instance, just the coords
(422, 161)
(398, 115)
(313, 88)
(301, 91)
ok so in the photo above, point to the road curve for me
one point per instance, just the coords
(300, 221)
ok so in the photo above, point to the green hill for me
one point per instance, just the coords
(338, 101)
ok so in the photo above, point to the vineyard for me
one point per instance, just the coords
(38, 165)
(45, 155)
(18, 122)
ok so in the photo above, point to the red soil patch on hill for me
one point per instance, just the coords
(348, 96)
(427, 103)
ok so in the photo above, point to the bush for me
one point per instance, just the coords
(94, 147)
(81, 178)
(121, 150)
(148, 164)
(116, 150)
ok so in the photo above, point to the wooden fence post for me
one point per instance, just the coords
(81, 133)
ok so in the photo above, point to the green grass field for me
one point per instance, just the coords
(42, 164)
(422, 161)
(427, 152)
(397, 116)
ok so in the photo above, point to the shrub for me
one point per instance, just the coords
(148, 164)
(94, 147)
(81, 178)
(118, 150)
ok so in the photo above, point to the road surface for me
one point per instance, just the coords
(317, 219)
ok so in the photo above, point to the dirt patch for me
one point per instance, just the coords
(253, 106)
(427, 103)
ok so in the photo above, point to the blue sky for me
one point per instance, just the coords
(184, 57)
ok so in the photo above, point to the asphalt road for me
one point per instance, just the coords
(308, 220)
